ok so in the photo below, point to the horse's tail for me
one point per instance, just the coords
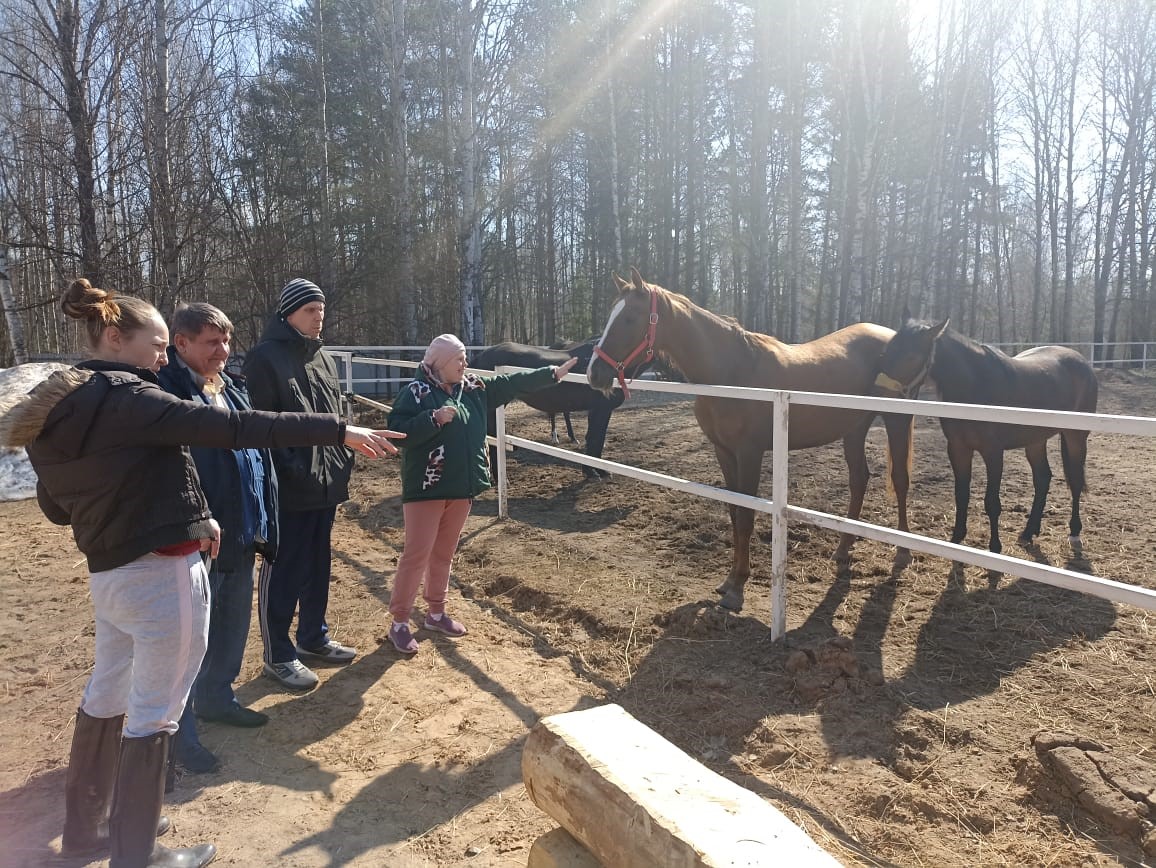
(1073, 469)
(910, 459)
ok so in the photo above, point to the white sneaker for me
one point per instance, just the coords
(295, 675)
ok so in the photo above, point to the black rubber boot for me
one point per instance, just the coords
(136, 808)
(88, 791)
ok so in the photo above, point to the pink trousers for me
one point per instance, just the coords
(432, 528)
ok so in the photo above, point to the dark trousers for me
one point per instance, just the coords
(230, 613)
(299, 579)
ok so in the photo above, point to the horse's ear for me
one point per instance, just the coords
(636, 277)
(906, 313)
(619, 282)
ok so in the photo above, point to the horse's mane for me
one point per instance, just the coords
(751, 341)
(972, 345)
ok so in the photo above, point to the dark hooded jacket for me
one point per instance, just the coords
(220, 475)
(287, 371)
(106, 443)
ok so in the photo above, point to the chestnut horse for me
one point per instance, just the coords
(966, 372)
(648, 321)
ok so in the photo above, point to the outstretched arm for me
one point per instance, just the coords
(504, 388)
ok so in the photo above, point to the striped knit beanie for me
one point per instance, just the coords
(296, 293)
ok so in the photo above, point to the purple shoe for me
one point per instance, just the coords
(445, 624)
(402, 639)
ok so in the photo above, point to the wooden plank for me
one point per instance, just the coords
(558, 849)
(634, 799)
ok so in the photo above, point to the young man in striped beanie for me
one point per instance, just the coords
(289, 371)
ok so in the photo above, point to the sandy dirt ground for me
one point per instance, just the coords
(894, 722)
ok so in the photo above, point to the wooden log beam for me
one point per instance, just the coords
(558, 849)
(633, 798)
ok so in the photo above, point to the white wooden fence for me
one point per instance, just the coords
(781, 511)
(1135, 354)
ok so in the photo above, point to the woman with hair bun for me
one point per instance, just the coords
(106, 443)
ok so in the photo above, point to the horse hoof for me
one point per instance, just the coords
(731, 602)
(1077, 546)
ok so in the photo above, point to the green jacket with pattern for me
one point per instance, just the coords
(451, 461)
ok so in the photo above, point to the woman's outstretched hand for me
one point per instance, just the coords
(374, 444)
(563, 369)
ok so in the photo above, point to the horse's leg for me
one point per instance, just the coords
(960, 458)
(569, 427)
(741, 471)
(993, 458)
(1074, 453)
(597, 421)
(855, 454)
(900, 452)
(1037, 454)
(553, 428)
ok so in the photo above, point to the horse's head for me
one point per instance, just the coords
(627, 342)
(907, 359)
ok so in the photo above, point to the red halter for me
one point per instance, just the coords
(647, 343)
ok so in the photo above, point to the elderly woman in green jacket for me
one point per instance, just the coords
(445, 465)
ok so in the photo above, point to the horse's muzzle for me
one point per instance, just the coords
(601, 376)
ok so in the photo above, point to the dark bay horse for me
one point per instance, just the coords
(648, 320)
(563, 398)
(966, 372)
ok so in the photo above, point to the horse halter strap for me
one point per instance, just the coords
(884, 381)
(647, 344)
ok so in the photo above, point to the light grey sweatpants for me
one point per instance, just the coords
(152, 624)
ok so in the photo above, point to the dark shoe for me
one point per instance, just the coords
(237, 715)
(185, 857)
(136, 808)
(333, 653)
(402, 639)
(445, 624)
(194, 757)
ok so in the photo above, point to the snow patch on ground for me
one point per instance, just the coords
(17, 479)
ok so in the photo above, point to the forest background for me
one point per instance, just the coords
(480, 166)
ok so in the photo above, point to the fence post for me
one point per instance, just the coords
(781, 404)
(500, 434)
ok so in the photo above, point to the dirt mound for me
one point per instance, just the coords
(1118, 791)
(828, 667)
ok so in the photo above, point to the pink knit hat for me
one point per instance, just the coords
(442, 349)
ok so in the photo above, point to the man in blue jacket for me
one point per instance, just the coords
(241, 487)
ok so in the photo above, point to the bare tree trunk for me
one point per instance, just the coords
(325, 229)
(758, 286)
(470, 228)
(402, 198)
(67, 35)
(11, 315)
(163, 204)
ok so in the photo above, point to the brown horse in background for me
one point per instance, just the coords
(710, 349)
(966, 372)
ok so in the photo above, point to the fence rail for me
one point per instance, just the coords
(1120, 354)
(781, 511)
